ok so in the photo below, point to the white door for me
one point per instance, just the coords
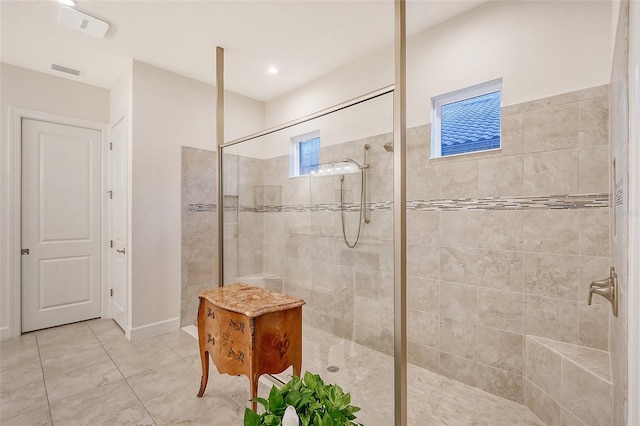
(61, 224)
(118, 228)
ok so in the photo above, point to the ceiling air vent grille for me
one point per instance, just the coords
(60, 68)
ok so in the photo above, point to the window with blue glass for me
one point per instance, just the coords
(305, 154)
(467, 120)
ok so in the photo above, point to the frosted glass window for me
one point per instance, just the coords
(467, 120)
(305, 154)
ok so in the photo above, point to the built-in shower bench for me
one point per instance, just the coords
(568, 384)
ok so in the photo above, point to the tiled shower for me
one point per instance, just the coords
(501, 244)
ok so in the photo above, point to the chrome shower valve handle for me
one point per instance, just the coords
(607, 288)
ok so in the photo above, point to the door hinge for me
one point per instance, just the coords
(110, 146)
(110, 194)
(111, 243)
(111, 292)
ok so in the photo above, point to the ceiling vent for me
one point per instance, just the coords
(60, 68)
(82, 22)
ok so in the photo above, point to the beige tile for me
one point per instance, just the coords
(459, 301)
(181, 343)
(21, 400)
(422, 328)
(594, 326)
(551, 231)
(551, 173)
(20, 374)
(501, 383)
(344, 306)
(367, 283)
(594, 121)
(80, 380)
(501, 349)
(459, 228)
(164, 378)
(551, 128)
(568, 419)
(459, 338)
(458, 180)
(551, 275)
(551, 318)
(458, 265)
(501, 309)
(542, 405)
(594, 92)
(501, 176)
(460, 369)
(36, 417)
(423, 261)
(500, 229)
(423, 228)
(65, 362)
(594, 232)
(143, 358)
(594, 169)
(367, 313)
(512, 134)
(499, 269)
(543, 367)
(418, 145)
(136, 415)
(368, 337)
(423, 183)
(587, 396)
(423, 356)
(423, 295)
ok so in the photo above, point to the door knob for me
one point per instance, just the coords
(120, 251)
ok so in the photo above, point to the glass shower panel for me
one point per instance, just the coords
(321, 238)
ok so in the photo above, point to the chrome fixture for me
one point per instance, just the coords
(388, 146)
(607, 288)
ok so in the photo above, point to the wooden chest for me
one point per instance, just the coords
(249, 330)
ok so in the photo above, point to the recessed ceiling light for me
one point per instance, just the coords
(273, 70)
(67, 2)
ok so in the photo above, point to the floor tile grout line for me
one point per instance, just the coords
(125, 379)
(44, 380)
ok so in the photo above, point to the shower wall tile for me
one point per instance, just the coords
(422, 328)
(542, 405)
(458, 180)
(512, 138)
(501, 230)
(501, 176)
(367, 284)
(423, 295)
(459, 301)
(367, 313)
(499, 309)
(459, 338)
(543, 367)
(592, 269)
(595, 408)
(551, 275)
(551, 128)
(499, 269)
(460, 369)
(552, 318)
(459, 228)
(594, 232)
(594, 169)
(422, 261)
(594, 121)
(551, 231)
(459, 265)
(424, 182)
(501, 383)
(418, 145)
(424, 227)
(501, 349)
(551, 172)
(423, 356)
(593, 327)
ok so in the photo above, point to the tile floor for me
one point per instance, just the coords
(89, 374)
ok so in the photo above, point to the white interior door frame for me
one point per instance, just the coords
(15, 209)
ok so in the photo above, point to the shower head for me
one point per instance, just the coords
(388, 146)
(351, 160)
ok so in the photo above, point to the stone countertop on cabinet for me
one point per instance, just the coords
(250, 301)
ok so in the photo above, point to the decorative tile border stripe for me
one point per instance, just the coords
(552, 202)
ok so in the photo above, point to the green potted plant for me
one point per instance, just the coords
(316, 404)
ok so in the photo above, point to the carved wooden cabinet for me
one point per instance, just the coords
(249, 330)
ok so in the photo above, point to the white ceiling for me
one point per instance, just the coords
(305, 39)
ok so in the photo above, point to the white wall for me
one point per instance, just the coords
(169, 111)
(540, 49)
(23, 88)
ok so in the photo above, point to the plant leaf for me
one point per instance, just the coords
(251, 418)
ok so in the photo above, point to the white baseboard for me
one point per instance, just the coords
(4, 333)
(155, 329)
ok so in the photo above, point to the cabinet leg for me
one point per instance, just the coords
(296, 369)
(204, 357)
(254, 391)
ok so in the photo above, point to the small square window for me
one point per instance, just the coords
(467, 120)
(305, 154)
